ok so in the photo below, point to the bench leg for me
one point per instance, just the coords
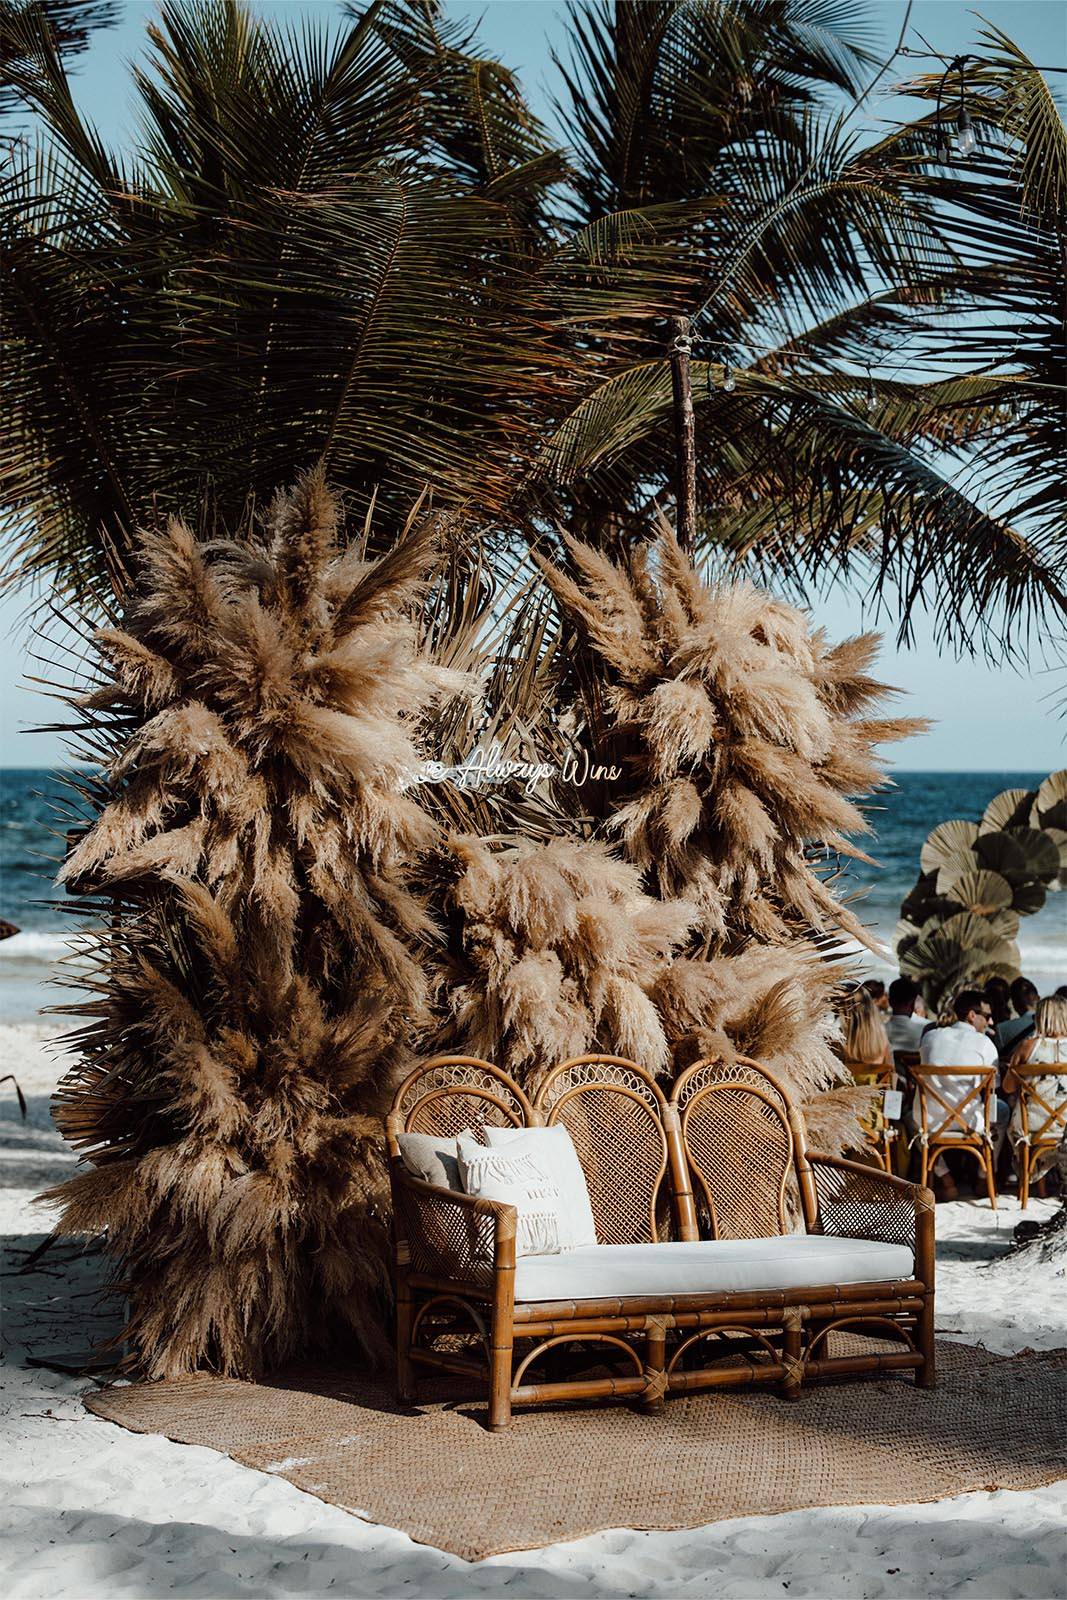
(792, 1353)
(500, 1363)
(406, 1386)
(655, 1364)
(926, 1375)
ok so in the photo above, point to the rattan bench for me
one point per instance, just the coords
(728, 1253)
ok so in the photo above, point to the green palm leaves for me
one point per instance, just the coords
(363, 248)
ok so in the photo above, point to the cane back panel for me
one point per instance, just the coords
(735, 1132)
(451, 1094)
(613, 1111)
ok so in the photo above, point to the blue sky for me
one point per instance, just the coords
(988, 717)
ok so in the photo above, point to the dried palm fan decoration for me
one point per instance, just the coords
(560, 953)
(976, 881)
(745, 740)
(266, 967)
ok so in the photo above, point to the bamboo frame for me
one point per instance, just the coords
(455, 1251)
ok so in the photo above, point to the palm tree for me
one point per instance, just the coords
(365, 250)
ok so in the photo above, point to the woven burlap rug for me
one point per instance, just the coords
(436, 1473)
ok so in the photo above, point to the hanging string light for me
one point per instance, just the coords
(729, 382)
(966, 139)
(870, 399)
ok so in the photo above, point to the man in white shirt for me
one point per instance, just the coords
(904, 1028)
(963, 1043)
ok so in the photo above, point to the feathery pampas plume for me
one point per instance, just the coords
(264, 969)
(745, 741)
(561, 950)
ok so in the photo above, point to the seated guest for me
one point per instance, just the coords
(1024, 998)
(999, 992)
(904, 1027)
(876, 989)
(864, 1047)
(964, 1042)
(1047, 1045)
(863, 1033)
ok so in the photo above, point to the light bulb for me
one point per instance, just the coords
(965, 139)
(729, 382)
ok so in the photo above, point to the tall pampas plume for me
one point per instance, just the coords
(748, 739)
(262, 938)
(745, 741)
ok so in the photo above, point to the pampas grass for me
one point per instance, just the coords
(746, 740)
(749, 739)
(285, 920)
(266, 971)
(560, 953)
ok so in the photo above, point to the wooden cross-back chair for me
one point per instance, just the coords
(677, 1189)
(1043, 1124)
(944, 1125)
(880, 1133)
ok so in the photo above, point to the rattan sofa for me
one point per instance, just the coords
(728, 1252)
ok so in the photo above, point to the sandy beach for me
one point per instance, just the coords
(95, 1511)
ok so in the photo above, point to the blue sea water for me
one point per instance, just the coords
(34, 804)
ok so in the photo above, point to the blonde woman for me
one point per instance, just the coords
(865, 1049)
(864, 1041)
(1046, 1046)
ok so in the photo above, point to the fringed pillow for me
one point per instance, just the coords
(519, 1175)
(562, 1161)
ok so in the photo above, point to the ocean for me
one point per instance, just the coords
(901, 817)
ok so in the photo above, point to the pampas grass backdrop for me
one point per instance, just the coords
(285, 920)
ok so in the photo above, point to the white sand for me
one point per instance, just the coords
(91, 1511)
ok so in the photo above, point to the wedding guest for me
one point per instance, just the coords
(863, 1032)
(962, 1042)
(876, 989)
(999, 992)
(1046, 1046)
(904, 1028)
(1024, 998)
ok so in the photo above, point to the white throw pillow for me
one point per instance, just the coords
(522, 1178)
(561, 1159)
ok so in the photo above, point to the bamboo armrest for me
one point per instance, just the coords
(860, 1202)
(448, 1234)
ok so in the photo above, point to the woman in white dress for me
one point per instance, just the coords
(1046, 1046)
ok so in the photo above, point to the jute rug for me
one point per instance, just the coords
(436, 1473)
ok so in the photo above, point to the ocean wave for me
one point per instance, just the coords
(37, 945)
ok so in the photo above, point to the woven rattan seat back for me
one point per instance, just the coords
(450, 1094)
(736, 1137)
(614, 1111)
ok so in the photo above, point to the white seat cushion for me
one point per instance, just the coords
(714, 1266)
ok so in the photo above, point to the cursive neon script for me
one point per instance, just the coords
(490, 764)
